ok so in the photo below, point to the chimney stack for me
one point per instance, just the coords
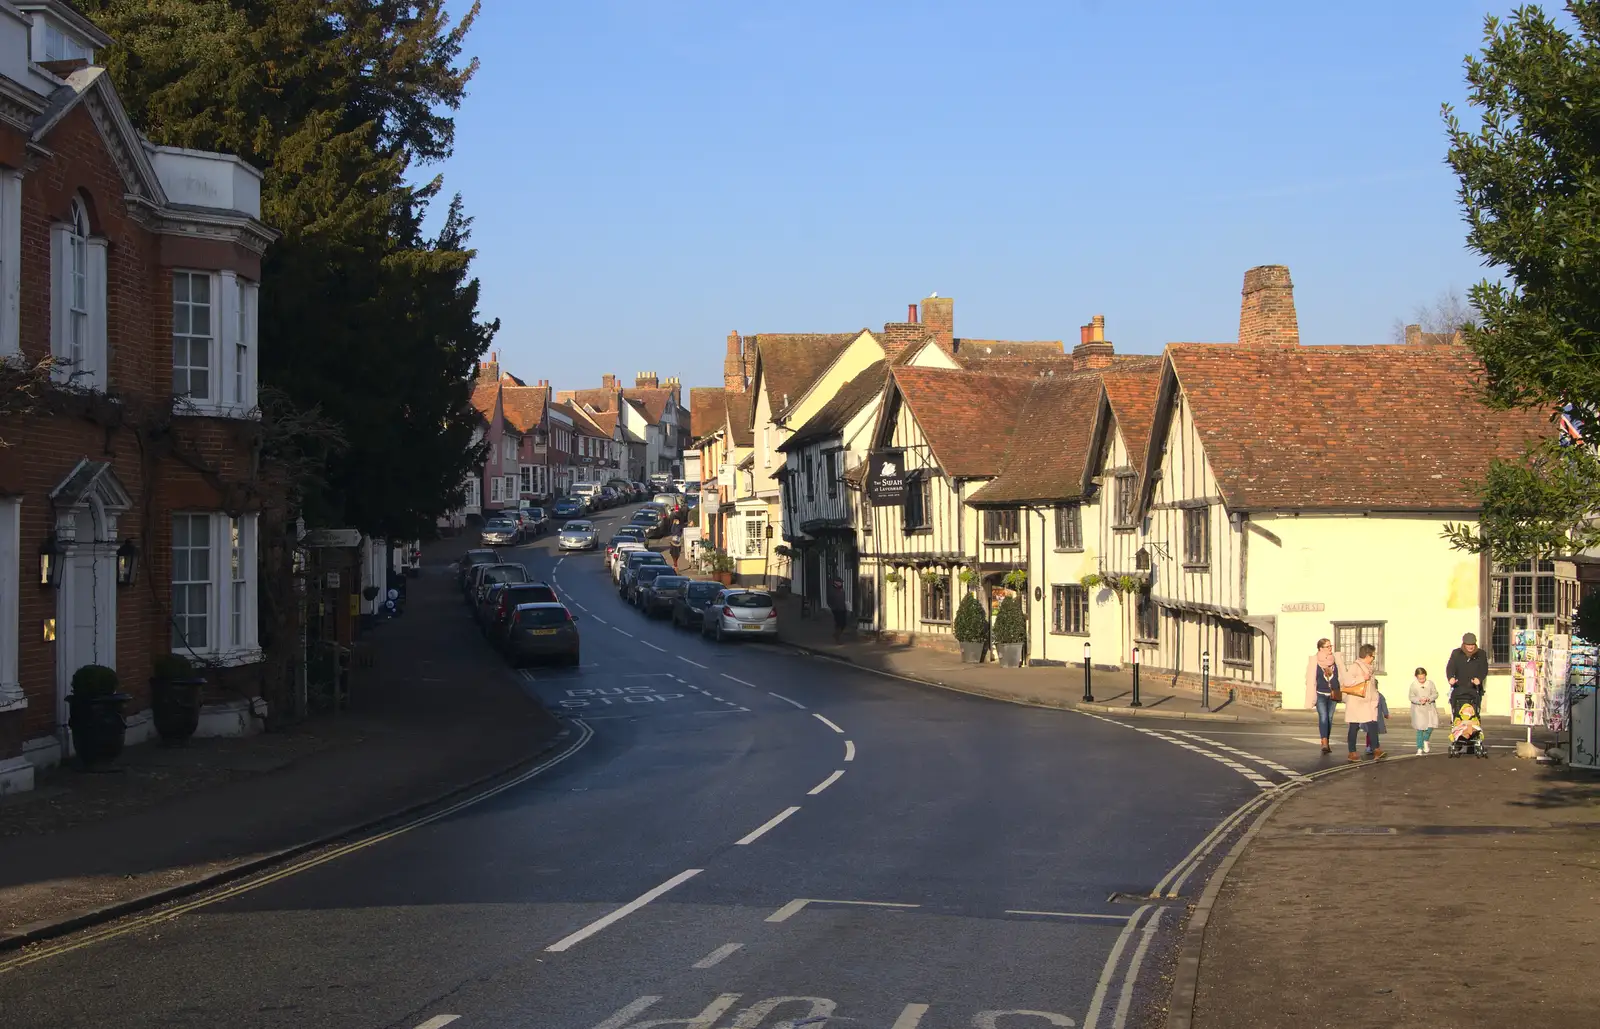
(911, 314)
(1415, 337)
(1093, 351)
(608, 382)
(489, 371)
(1266, 311)
(750, 344)
(939, 314)
(733, 365)
(645, 380)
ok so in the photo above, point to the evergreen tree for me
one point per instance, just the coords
(362, 316)
(1530, 188)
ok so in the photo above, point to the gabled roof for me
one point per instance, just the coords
(1050, 449)
(845, 405)
(600, 398)
(739, 421)
(978, 350)
(708, 410)
(790, 363)
(606, 422)
(967, 417)
(1131, 386)
(128, 148)
(524, 406)
(486, 400)
(583, 422)
(1382, 427)
(651, 400)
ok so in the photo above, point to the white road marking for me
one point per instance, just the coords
(794, 907)
(1120, 1019)
(829, 724)
(824, 784)
(741, 682)
(577, 605)
(1258, 759)
(773, 824)
(716, 956)
(821, 1009)
(1070, 914)
(625, 910)
(911, 1017)
(704, 1020)
(1203, 849)
(438, 1022)
(991, 1019)
(602, 621)
(627, 634)
(849, 750)
(1109, 972)
(557, 564)
(687, 661)
(652, 646)
(786, 700)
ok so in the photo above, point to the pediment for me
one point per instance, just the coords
(91, 87)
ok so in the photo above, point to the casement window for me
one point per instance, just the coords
(1127, 499)
(811, 479)
(755, 536)
(1002, 527)
(497, 494)
(1197, 536)
(11, 694)
(917, 507)
(474, 494)
(525, 473)
(10, 263)
(1238, 643)
(935, 597)
(215, 355)
(78, 301)
(1146, 618)
(1348, 638)
(1521, 596)
(214, 609)
(1069, 526)
(832, 471)
(1069, 610)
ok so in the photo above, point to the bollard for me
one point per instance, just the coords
(1205, 681)
(1135, 701)
(1088, 688)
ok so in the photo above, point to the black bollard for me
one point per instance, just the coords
(1135, 701)
(1205, 681)
(1088, 686)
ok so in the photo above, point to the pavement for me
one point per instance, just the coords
(1422, 892)
(429, 717)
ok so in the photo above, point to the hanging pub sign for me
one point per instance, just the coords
(886, 477)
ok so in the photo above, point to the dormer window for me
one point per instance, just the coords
(60, 45)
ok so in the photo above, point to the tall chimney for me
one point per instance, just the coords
(911, 314)
(608, 382)
(645, 380)
(1266, 312)
(939, 314)
(733, 365)
(750, 344)
(1093, 350)
(489, 371)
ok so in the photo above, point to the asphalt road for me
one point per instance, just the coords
(737, 838)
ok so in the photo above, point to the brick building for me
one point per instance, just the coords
(126, 524)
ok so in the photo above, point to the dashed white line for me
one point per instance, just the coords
(849, 750)
(652, 646)
(773, 824)
(577, 605)
(438, 1022)
(687, 661)
(627, 909)
(741, 682)
(602, 621)
(829, 724)
(794, 907)
(1258, 759)
(786, 700)
(717, 956)
(824, 784)
(627, 634)
(1070, 914)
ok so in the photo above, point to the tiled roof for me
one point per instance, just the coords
(1365, 427)
(606, 421)
(1050, 443)
(739, 421)
(708, 409)
(583, 422)
(845, 405)
(978, 349)
(792, 362)
(652, 401)
(483, 399)
(966, 417)
(524, 406)
(600, 398)
(1131, 384)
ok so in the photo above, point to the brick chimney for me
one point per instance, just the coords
(1266, 312)
(608, 382)
(911, 314)
(939, 314)
(733, 365)
(1415, 337)
(489, 371)
(645, 380)
(1092, 351)
(750, 345)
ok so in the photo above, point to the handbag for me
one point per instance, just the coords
(1357, 690)
(1334, 693)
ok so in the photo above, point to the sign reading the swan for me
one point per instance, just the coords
(886, 477)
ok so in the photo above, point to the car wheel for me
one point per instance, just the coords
(717, 633)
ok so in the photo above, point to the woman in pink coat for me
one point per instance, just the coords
(1361, 706)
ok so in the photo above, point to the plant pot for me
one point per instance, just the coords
(175, 707)
(726, 578)
(971, 652)
(1010, 654)
(97, 727)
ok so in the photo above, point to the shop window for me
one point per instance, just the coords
(1521, 596)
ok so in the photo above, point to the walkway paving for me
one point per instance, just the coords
(436, 712)
(1423, 892)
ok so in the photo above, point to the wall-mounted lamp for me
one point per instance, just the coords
(127, 563)
(50, 554)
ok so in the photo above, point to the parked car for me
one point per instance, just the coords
(578, 535)
(633, 563)
(626, 534)
(672, 503)
(475, 579)
(689, 607)
(542, 631)
(653, 521)
(657, 595)
(501, 531)
(471, 559)
(486, 576)
(619, 557)
(511, 596)
(568, 507)
(640, 581)
(609, 497)
(740, 613)
(539, 517)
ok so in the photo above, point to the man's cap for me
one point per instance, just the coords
(1469, 638)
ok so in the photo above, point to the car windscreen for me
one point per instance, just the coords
(648, 573)
(499, 524)
(482, 557)
(535, 512)
(704, 590)
(533, 593)
(543, 616)
(670, 582)
(749, 600)
(645, 557)
(506, 573)
(578, 527)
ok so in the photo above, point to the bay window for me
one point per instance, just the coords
(214, 608)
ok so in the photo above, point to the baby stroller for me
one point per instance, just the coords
(1466, 731)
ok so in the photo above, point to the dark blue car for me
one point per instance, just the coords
(566, 507)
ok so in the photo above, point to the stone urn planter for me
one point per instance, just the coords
(95, 715)
(1010, 633)
(1010, 654)
(971, 630)
(175, 699)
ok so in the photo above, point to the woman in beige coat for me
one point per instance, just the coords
(1324, 672)
(1361, 712)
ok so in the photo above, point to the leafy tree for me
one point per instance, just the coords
(1451, 311)
(1530, 189)
(362, 316)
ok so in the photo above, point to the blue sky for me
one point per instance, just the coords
(647, 175)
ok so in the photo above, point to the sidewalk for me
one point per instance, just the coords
(1054, 686)
(435, 713)
(1422, 892)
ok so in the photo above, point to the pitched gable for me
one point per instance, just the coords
(1050, 450)
(788, 364)
(831, 419)
(966, 417)
(708, 410)
(91, 88)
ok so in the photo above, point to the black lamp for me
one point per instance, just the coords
(127, 563)
(50, 554)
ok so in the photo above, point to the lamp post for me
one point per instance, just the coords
(1205, 681)
(1135, 702)
(1088, 690)
(50, 554)
(127, 563)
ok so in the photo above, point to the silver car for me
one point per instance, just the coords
(578, 535)
(740, 613)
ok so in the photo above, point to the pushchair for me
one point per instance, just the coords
(1466, 730)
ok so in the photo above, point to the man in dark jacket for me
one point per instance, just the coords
(1467, 671)
(840, 608)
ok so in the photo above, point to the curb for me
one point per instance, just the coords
(1069, 705)
(40, 931)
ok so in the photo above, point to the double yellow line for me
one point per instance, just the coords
(124, 927)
